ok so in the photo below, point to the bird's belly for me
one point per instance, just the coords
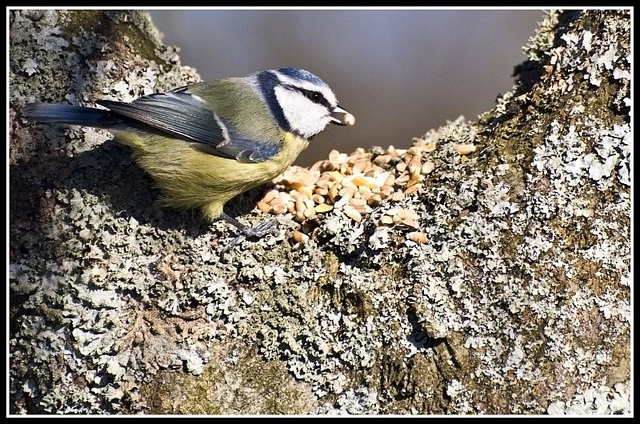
(190, 178)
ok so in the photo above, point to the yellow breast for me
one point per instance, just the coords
(190, 178)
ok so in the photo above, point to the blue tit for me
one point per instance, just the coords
(206, 143)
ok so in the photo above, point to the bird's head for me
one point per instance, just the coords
(301, 102)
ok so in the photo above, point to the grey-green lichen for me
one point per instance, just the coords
(237, 381)
(519, 301)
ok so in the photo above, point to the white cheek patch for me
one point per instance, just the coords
(304, 116)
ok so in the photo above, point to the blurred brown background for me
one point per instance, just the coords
(400, 73)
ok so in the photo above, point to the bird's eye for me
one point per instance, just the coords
(314, 96)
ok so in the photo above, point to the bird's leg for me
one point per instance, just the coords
(260, 231)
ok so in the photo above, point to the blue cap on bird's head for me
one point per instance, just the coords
(301, 74)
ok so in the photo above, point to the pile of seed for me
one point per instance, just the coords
(354, 184)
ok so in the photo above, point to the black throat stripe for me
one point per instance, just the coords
(268, 82)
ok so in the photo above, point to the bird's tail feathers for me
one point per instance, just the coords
(69, 114)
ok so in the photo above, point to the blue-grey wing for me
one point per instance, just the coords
(186, 116)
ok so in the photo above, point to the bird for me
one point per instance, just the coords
(205, 143)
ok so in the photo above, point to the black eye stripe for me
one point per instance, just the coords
(314, 96)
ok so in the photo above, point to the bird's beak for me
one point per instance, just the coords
(339, 116)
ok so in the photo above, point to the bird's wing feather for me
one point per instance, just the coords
(184, 115)
(245, 150)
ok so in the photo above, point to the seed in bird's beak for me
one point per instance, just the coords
(340, 116)
(348, 119)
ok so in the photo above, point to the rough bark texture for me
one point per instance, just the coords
(518, 303)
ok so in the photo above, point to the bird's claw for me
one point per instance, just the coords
(260, 231)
